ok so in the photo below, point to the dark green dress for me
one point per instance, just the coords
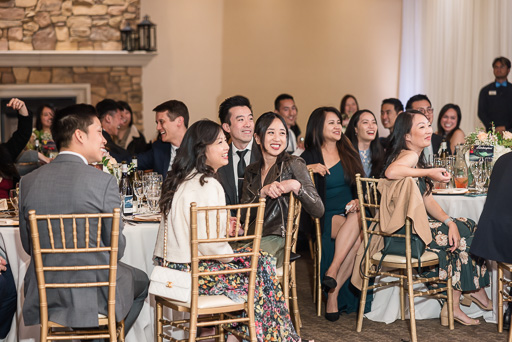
(337, 194)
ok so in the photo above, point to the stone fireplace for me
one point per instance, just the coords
(53, 48)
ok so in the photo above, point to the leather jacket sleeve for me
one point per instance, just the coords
(308, 196)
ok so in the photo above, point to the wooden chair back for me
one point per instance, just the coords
(317, 258)
(66, 238)
(217, 233)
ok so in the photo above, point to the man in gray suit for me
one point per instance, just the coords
(66, 186)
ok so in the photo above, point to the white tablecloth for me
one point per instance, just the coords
(140, 243)
(386, 301)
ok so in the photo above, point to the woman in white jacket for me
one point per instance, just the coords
(193, 179)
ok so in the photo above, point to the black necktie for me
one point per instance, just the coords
(240, 169)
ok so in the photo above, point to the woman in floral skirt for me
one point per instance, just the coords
(451, 238)
(192, 179)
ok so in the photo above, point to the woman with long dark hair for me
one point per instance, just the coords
(193, 179)
(363, 132)
(335, 163)
(129, 137)
(451, 238)
(275, 176)
(348, 107)
(448, 124)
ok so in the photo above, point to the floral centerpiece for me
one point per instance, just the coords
(45, 141)
(111, 166)
(502, 141)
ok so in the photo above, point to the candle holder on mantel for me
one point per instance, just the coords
(146, 35)
(129, 39)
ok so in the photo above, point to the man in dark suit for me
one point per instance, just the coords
(235, 115)
(110, 114)
(421, 103)
(495, 99)
(68, 185)
(172, 123)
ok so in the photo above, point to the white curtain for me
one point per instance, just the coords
(447, 51)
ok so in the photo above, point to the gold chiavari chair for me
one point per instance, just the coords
(60, 237)
(288, 279)
(219, 310)
(503, 296)
(317, 259)
(400, 267)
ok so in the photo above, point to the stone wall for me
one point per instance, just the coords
(118, 83)
(65, 24)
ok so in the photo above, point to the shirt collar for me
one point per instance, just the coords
(248, 147)
(75, 154)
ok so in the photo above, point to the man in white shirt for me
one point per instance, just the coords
(285, 106)
(236, 118)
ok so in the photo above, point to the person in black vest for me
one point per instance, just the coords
(109, 113)
(236, 118)
(495, 100)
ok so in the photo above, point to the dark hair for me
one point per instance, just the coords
(107, 107)
(397, 143)
(174, 109)
(440, 128)
(376, 150)
(399, 107)
(261, 127)
(191, 155)
(125, 106)
(415, 98)
(39, 123)
(502, 60)
(67, 120)
(344, 102)
(230, 102)
(349, 157)
(277, 101)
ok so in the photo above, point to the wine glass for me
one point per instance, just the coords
(13, 197)
(138, 189)
(153, 196)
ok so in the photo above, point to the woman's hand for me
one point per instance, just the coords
(439, 175)
(18, 105)
(273, 190)
(43, 159)
(453, 236)
(290, 185)
(2, 265)
(352, 206)
(235, 229)
(319, 168)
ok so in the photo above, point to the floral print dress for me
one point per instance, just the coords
(468, 273)
(272, 317)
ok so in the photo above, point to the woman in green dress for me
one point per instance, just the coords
(451, 238)
(335, 162)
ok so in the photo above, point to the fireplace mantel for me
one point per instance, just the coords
(49, 58)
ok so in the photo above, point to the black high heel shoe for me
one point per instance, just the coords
(332, 316)
(328, 283)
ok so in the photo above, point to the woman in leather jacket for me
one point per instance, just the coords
(275, 176)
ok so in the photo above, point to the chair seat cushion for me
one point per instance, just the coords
(398, 259)
(206, 302)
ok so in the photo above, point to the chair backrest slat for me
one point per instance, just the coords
(50, 232)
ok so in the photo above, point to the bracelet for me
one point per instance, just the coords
(448, 220)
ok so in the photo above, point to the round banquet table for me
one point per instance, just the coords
(140, 243)
(386, 301)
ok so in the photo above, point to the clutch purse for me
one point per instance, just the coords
(168, 283)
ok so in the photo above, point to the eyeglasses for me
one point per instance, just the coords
(429, 110)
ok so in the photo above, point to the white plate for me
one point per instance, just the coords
(456, 191)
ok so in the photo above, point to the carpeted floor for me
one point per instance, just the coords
(321, 330)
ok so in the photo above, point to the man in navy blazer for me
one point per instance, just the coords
(235, 115)
(172, 123)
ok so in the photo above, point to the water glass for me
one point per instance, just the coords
(153, 197)
(13, 197)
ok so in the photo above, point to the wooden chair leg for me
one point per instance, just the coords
(500, 298)
(449, 302)
(412, 313)
(158, 319)
(362, 303)
(402, 297)
(221, 329)
(294, 301)
(314, 254)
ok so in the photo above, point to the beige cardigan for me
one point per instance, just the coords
(399, 199)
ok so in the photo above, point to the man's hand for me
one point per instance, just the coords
(2, 264)
(18, 105)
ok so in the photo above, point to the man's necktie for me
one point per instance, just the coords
(240, 170)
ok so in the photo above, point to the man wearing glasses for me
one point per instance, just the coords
(421, 103)
(495, 100)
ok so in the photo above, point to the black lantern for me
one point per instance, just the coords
(147, 35)
(128, 38)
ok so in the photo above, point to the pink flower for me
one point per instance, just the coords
(507, 135)
(482, 136)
